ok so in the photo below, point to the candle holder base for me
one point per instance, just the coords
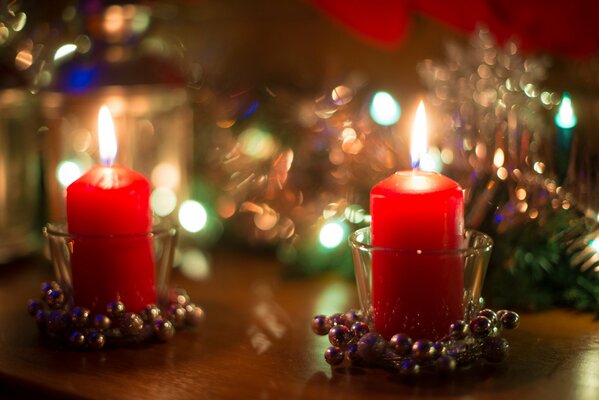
(417, 323)
(112, 290)
(466, 343)
(79, 329)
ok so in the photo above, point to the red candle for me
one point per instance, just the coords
(108, 209)
(419, 293)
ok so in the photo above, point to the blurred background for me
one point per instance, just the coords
(263, 125)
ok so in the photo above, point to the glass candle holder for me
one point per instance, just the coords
(94, 270)
(418, 285)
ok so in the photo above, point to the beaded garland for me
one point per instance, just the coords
(81, 330)
(466, 342)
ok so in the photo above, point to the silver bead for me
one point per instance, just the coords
(446, 364)
(46, 287)
(151, 313)
(164, 330)
(352, 354)
(423, 350)
(180, 297)
(339, 335)
(459, 330)
(80, 317)
(115, 309)
(321, 325)
(96, 340)
(76, 339)
(409, 367)
(131, 324)
(102, 322)
(481, 327)
(372, 347)
(334, 355)
(194, 315)
(359, 329)
(33, 306)
(339, 319)
(177, 315)
(55, 298)
(401, 344)
(490, 314)
(440, 349)
(510, 320)
(495, 349)
(353, 316)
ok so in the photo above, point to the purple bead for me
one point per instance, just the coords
(495, 349)
(334, 355)
(115, 309)
(80, 317)
(339, 335)
(131, 324)
(481, 327)
(55, 298)
(339, 319)
(352, 354)
(446, 364)
(401, 344)
(321, 325)
(33, 306)
(372, 347)
(359, 329)
(353, 316)
(510, 320)
(76, 339)
(423, 350)
(490, 314)
(96, 340)
(409, 367)
(459, 330)
(102, 322)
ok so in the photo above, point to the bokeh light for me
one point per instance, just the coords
(64, 51)
(163, 201)
(384, 109)
(331, 234)
(257, 143)
(192, 216)
(68, 172)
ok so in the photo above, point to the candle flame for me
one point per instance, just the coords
(106, 136)
(419, 137)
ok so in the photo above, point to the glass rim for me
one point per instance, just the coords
(486, 245)
(57, 229)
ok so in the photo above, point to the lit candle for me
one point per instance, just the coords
(412, 293)
(110, 200)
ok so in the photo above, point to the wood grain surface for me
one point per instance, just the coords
(257, 344)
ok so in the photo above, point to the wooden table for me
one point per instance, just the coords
(256, 344)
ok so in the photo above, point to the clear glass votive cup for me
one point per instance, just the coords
(94, 270)
(397, 287)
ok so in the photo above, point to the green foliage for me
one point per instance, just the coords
(531, 270)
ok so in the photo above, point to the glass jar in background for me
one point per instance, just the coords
(114, 63)
(19, 175)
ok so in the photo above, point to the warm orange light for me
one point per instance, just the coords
(106, 136)
(418, 148)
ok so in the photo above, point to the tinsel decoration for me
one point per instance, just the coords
(498, 126)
